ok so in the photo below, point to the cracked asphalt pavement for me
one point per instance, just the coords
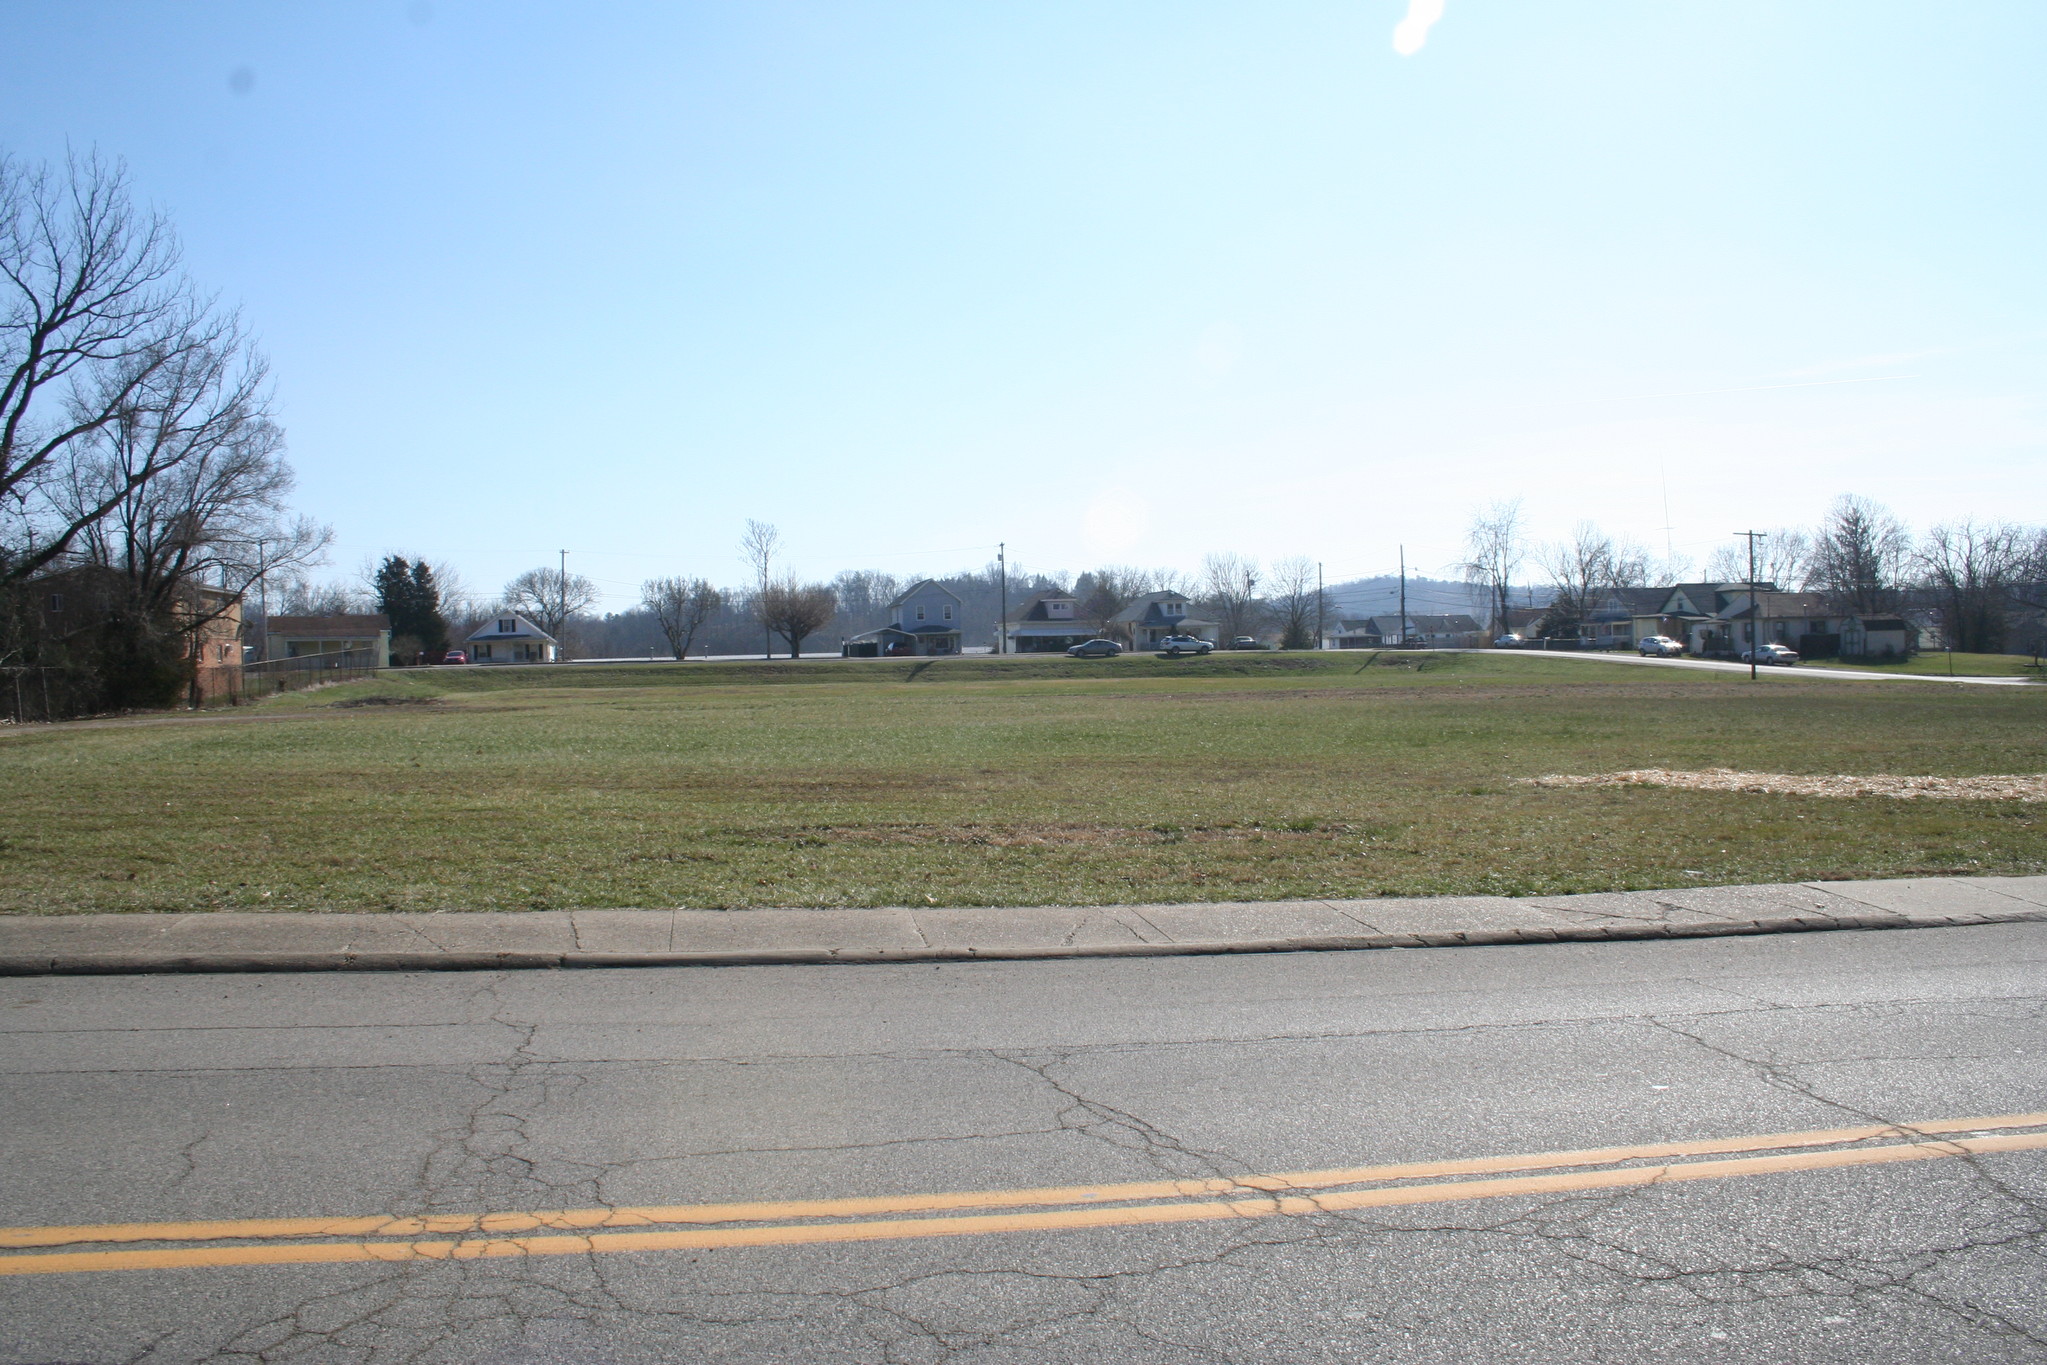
(169, 1099)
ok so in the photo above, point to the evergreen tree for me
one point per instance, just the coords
(408, 594)
(428, 622)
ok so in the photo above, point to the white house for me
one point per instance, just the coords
(1722, 618)
(1047, 623)
(1378, 632)
(512, 639)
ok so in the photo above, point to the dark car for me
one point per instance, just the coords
(1245, 642)
(1094, 649)
(454, 656)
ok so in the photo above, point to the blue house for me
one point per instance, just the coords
(927, 621)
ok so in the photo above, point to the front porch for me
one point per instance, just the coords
(894, 642)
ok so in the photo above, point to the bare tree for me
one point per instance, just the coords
(1229, 585)
(760, 544)
(682, 608)
(1106, 591)
(864, 595)
(1582, 570)
(2028, 595)
(795, 610)
(1495, 546)
(1973, 569)
(1783, 557)
(300, 596)
(1859, 557)
(1296, 601)
(214, 511)
(551, 598)
(96, 325)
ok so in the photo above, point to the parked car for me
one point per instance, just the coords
(1094, 649)
(1509, 641)
(1658, 647)
(1770, 654)
(454, 656)
(1173, 646)
(1245, 642)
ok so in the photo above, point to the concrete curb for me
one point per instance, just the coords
(147, 963)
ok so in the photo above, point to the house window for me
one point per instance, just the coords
(507, 627)
(56, 601)
(948, 613)
(920, 613)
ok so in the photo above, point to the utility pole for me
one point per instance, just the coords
(1002, 624)
(1318, 604)
(1755, 608)
(1403, 597)
(561, 606)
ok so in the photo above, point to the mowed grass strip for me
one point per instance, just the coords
(995, 782)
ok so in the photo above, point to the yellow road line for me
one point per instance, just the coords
(761, 1211)
(1184, 1211)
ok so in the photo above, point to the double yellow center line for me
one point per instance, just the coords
(564, 1232)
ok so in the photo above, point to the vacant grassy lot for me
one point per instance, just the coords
(991, 781)
(1940, 662)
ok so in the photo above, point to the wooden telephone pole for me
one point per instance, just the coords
(1755, 607)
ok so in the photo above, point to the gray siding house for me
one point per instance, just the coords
(1154, 616)
(927, 621)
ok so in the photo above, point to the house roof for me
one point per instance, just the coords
(1637, 601)
(1143, 607)
(916, 588)
(522, 629)
(328, 627)
(1032, 608)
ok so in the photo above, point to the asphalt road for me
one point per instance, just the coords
(1124, 1112)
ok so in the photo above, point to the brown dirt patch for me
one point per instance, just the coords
(1048, 835)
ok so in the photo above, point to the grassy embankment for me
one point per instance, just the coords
(994, 781)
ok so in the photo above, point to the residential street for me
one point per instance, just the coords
(1123, 1111)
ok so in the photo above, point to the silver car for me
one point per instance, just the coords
(1658, 647)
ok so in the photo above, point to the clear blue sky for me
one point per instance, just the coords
(1116, 282)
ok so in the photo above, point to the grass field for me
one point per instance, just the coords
(995, 781)
(1939, 662)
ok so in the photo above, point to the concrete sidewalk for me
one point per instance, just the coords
(285, 942)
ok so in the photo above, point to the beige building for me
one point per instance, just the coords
(303, 637)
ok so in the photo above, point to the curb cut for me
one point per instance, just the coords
(136, 964)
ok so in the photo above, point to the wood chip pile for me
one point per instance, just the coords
(2001, 787)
